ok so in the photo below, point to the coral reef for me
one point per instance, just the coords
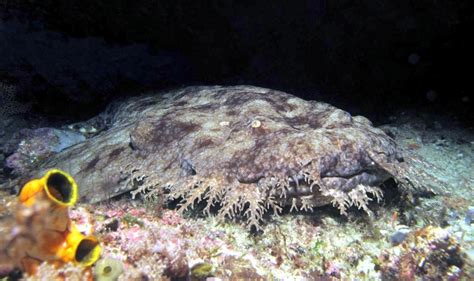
(67, 272)
(320, 246)
(399, 239)
(171, 246)
(302, 247)
(429, 253)
(35, 145)
(244, 149)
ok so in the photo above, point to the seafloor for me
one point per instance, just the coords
(409, 237)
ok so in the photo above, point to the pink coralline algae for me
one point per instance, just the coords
(429, 253)
(172, 218)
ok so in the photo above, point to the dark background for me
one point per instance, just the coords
(375, 58)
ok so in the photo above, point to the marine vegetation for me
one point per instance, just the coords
(40, 229)
(241, 150)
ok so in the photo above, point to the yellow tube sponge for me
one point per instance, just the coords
(59, 187)
(57, 240)
(80, 249)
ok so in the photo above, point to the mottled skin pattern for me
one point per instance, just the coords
(243, 148)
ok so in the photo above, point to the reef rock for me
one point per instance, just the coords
(244, 150)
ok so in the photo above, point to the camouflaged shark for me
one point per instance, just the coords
(243, 150)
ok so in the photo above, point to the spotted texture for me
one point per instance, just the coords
(245, 150)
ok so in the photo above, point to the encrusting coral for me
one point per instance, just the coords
(430, 253)
(244, 150)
